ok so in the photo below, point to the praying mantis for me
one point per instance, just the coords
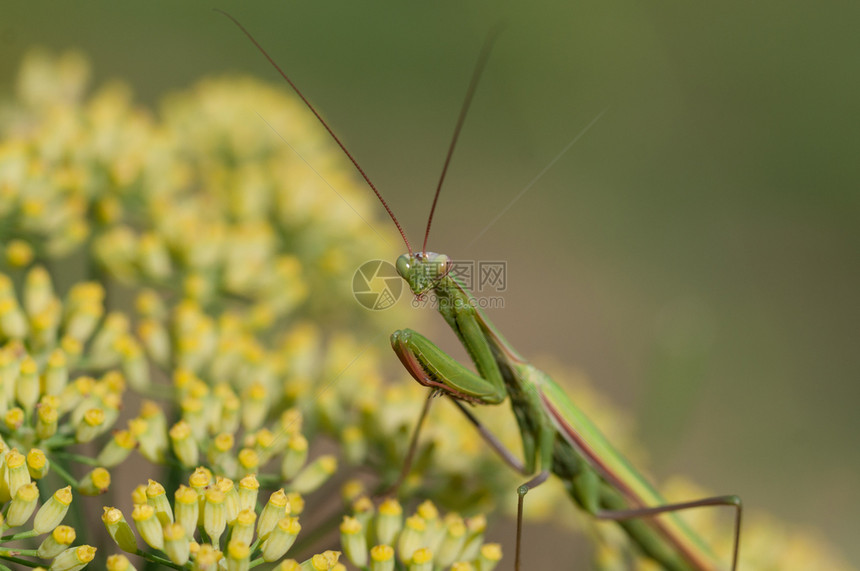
(557, 436)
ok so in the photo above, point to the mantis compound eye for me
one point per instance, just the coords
(403, 265)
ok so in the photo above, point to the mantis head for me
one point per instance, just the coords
(422, 270)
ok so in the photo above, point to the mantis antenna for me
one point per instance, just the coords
(470, 92)
(324, 124)
(473, 84)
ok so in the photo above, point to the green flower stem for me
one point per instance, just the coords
(18, 560)
(63, 438)
(60, 467)
(152, 558)
(54, 443)
(62, 473)
(15, 536)
(76, 457)
(270, 480)
(5, 551)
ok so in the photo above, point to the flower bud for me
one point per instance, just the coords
(72, 348)
(266, 444)
(281, 538)
(74, 558)
(22, 505)
(200, 479)
(452, 544)
(314, 474)
(275, 509)
(184, 444)
(249, 487)
(16, 473)
(56, 542)
(148, 525)
(475, 528)
(96, 482)
(84, 311)
(53, 511)
(27, 387)
(489, 556)
(411, 538)
(46, 421)
(156, 340)
(56, 373)
(187, 509)
(134, 363)
(243, 526)
(117, 449)
(353, 541)
(255, 406)
(230, 409)
(154, 440)
(249, 460)
(37, 464)
(321, 562)
(119, 530)
(382, 558)
(14, 418)
(296, 503)
(19, 253)
(91, 425)
(389, 522)
(74, 394)
(44, 326)
(157, 498)
(295, 456)
(421, 560)
(231, 497)
(176, 543)
(354, 444)
(352, 490)
(238, 556)
(220, 453)
(138, 495)
(154, 259)
(206, 558)
(119, 562)
(291, 421)
(214, 514)
(103, 351)
(38, 291)
(13, 322)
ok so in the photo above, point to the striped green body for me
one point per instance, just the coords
(557, 436)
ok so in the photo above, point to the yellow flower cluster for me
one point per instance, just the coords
(19, 498)
(212, 523)
(203, 203)
(376, 538)
(238, 257)
(54, 394)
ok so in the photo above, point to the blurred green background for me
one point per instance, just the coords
(696, 253)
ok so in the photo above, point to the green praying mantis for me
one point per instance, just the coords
(557, 436)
